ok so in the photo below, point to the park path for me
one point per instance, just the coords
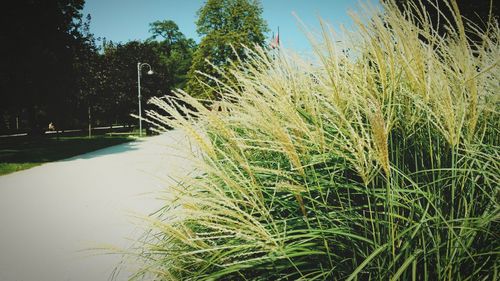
(50, 215)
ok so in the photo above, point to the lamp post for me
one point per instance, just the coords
(139, 68)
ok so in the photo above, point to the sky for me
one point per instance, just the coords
(125, 20)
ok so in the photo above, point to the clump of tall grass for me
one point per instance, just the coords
(378, 161)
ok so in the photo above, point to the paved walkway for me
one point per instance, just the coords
(49, 215)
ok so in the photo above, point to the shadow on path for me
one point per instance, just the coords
(116, 149)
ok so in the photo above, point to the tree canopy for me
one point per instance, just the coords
(37, 52)
(166, 29)
(175, 50)
(225, 25)
(54, 70)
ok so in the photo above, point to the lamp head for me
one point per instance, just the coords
(150, 72)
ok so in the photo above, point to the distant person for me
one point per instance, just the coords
(52, 127)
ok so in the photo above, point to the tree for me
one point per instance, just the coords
(175, 50)
(53, 71)
(36, 73)
(170, 58)
(119, 78)
(88, 79)
(168, 30)
(224, 25)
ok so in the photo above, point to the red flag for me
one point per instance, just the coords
(275, 42)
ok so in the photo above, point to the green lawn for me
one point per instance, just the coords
(19, 153)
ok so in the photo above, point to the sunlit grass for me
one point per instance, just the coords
(377, 161)
(7, 168)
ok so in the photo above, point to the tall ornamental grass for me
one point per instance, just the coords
(377, 161)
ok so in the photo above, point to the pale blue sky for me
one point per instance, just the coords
(124, 20)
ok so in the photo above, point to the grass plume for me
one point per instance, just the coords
(379, 160)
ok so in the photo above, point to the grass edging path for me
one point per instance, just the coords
(20, 153)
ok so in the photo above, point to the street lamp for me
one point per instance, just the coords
(139, 68)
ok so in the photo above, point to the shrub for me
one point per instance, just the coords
(377, 161)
